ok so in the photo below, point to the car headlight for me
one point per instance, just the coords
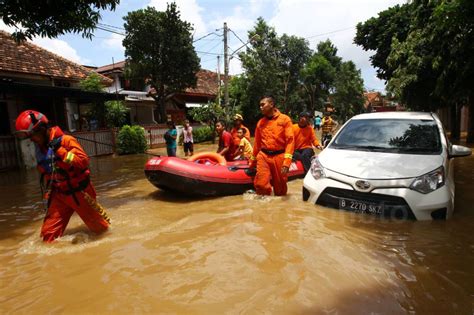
(429, 182)
(317, 169)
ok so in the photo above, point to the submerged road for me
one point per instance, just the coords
(240, 254)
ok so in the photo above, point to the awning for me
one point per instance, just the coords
(193, 105)
(46, 90)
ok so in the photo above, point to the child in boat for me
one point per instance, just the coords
(244, 151)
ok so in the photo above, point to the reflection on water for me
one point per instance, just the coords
(238, 254)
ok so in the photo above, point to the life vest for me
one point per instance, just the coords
(60, 175)
(327, 124)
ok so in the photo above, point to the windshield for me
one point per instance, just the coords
(409, 136)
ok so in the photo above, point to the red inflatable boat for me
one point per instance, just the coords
(204, 176)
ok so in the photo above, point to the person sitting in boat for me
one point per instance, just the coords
(226, 144)
(238, 123)
(244, 150)
(305, 140)
(170, 138)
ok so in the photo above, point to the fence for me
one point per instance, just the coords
(95, 143)
(102, 142)
(8, 155)
(154, 135)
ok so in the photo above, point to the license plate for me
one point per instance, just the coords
(360, 206)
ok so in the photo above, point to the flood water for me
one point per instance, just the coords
(279, 255)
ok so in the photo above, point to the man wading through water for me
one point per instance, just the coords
(273, 149)
(63, 165)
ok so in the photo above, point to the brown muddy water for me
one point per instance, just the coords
(169, 254)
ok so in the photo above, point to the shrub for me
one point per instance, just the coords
(115, 113)
(202, 134)
(131, 140)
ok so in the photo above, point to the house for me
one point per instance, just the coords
(376, 102)
(143, 108)
(34, 78)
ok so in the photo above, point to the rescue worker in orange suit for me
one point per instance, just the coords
(305, 140)
(238, 123)
(63, 165)
(273, 149)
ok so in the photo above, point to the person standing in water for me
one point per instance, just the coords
(65, 176)
(273, 149)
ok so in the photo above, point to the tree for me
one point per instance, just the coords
(377, 33)
(294, 54)
(317, 78)
(116, 113)
(93, 83)
(159, 49)
(349, 89)
(429, 57)
(263, 69)
(53, 17)
(209, 114)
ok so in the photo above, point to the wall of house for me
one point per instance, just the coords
(115, 85)
(141, 113)
(72, 114)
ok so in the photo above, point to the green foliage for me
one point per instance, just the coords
(318, 77)
(299, 78)
(131, 140)
(349, 89)
(377, 34)
(159, 47)
(115, 113)
(209, 113)
(263, 69)
(93, 83)
(203, 134)
(53, 18)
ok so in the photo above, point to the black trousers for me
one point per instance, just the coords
(304, 155)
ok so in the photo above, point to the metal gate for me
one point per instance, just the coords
(8, 154)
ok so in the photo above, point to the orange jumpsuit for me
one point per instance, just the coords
(71, 189)
(305, 139)
(273, 148)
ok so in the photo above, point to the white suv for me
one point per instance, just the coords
(392, 164)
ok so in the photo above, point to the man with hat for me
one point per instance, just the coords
(305, 140)
(328, 126)
(238, 124)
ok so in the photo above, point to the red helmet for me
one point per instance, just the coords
(28, 122)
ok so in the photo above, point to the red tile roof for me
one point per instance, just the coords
(373, 98)
(28, 58)
(206, 84)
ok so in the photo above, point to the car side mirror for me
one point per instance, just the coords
(459, 151)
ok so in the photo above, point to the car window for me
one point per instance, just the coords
(408, 136)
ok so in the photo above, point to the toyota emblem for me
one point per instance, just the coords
(363, 184)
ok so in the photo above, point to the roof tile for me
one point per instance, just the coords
(31, 59)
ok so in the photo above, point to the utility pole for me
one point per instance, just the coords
(226, 69)
(219, 80)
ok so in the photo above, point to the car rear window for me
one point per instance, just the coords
(408, 136)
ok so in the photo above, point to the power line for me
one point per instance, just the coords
(211, 33)
(108, 25)
(208, 53)
(237, 36)
(332, 32)
(109, 30)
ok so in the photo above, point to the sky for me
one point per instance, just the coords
(315, 20)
